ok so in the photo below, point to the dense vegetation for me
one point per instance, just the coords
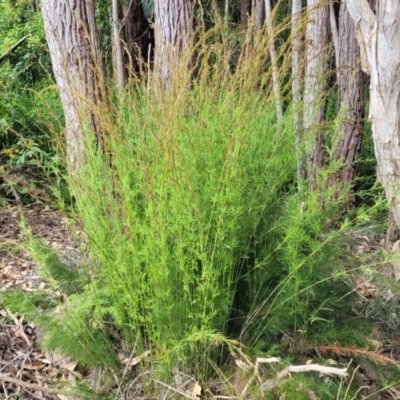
(201, 247)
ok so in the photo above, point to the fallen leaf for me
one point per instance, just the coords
(134, 360)
(196, 392)
(69, 366)
(35, 367)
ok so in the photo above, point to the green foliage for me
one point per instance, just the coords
(148, 8)
(61, 276)
(297, 388)
(197, 232)
(30, 61)
(7, 54)
(168, 238)
(73, 326)
(29, 105)
(385, 312)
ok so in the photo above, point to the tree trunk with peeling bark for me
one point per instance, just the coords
(173, 30)
(78, 69)
(378, 35)
(316, 54)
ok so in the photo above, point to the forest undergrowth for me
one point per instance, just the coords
(206, 254)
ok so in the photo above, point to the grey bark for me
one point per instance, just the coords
(245, 11)
(272, 52)
(259, 14)
(78, 69)
(379, 38)
(297, 40)
(118, 55)
(173, 31)
(351, 81)
(317, 46)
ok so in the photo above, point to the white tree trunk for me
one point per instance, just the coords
(173, 30)
(317, 46)
(379, 38)
(272, 53)
(75, 54)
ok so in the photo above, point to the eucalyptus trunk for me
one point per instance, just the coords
(173, 30)
(276, 85)
(297, 41)
(316, 57)
(118, 55)
(74, 47)
(245, 10)
(351, 81)
(378, 35)
(259, 13)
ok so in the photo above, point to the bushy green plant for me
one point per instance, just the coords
(29, 105)
(197, 232)
(195, 226)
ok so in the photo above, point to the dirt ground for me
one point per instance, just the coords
(26, 371)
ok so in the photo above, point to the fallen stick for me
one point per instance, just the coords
(312, 367)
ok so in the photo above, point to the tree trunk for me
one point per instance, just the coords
(118, 55)
(78, 69)
(272, 52)
(297, 34)
(245, 10)
(317, 46)
(173, 29)
(226, 11)
(351, 81)
(259, 14)
(138, 36)
(379, 38)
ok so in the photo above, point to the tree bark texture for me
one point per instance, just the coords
(118, 55)
(297, 41)
(138, 36)
(75, 54)
(272, 52)
(173, 30)
(317, 46)
(245, 11)
(351, 81)
(259, 13)
(379, 38)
